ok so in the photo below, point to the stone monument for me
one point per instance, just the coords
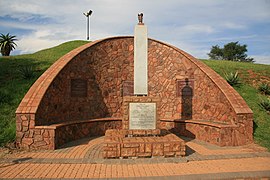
(140, 58)
(141, 135)
(91, 89)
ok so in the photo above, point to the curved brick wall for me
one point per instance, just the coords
(106, 64)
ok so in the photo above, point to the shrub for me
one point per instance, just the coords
(26, 72)
(4, 97)
(265, 103)
(233, 78)
(264, 88)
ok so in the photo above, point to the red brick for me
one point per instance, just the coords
(27, 141)
(18, 126)
(38, 138)
(128, 152)
(46, 134)
(25, 128)
(39, 144)
(25, 123)
(131, 145)
(24, 117)
(148, 148)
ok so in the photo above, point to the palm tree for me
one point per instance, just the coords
(7, 44)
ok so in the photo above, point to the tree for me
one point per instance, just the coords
(231, 51)
(216, 53)
(7, 44)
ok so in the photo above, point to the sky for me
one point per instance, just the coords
(191, 25)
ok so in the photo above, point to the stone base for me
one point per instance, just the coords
(117, 145)
(213, 132)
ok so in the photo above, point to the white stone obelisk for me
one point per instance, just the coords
(140, 59)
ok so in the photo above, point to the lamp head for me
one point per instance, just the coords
(88, 13)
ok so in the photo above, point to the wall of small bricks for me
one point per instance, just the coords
(76, 131)
(108, 64)
(105, 65)
(28, 136)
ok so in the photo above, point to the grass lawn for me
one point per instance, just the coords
(13, 86)
(252, 75)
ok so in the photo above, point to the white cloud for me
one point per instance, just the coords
(233, 25)
(261, 59)
(197, 28)
(32, 44)
(190, 25)
(230, 38)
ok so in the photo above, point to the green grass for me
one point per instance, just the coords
(13, 85)
(252, 75)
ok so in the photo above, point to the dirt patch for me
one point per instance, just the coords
(255, 79)
(10, 151)
(3, 152)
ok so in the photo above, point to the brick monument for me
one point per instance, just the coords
(141, 134)
(89, 90)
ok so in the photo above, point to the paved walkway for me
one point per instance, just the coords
(83, 159)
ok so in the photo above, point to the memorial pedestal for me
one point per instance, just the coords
(118, 145)
(141, 135)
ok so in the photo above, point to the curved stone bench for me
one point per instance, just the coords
(55, 135)
(208, 131)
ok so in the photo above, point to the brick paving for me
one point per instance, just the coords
(83, 159)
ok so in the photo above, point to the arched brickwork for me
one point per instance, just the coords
(104, 66)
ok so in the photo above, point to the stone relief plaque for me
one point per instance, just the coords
(142, 115)
(78, 88)
(128, 88)
(182, 87)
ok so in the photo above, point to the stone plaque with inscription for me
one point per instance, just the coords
(78, 88)
(142, 115)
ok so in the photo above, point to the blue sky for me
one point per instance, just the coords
(193, 26)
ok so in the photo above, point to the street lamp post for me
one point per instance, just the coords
(87, 14)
